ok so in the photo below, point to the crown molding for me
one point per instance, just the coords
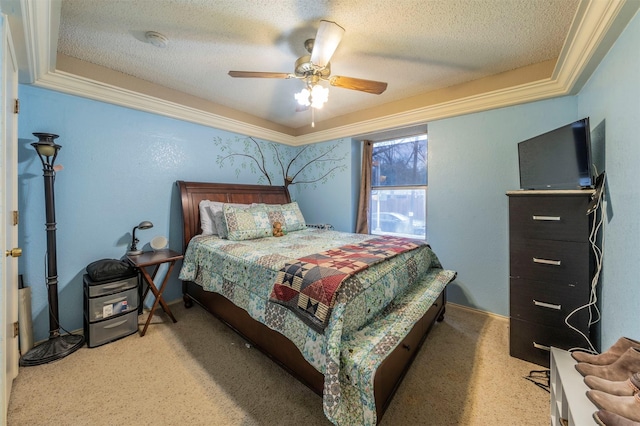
(596, 25)
(84, 87)
(529, 92)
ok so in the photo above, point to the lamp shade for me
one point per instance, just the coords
(47, 149)
(145, 225)
(133, 249)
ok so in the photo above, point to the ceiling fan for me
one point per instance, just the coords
(315, 67)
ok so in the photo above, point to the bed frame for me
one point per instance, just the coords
(281, 350)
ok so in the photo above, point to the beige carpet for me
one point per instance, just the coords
(198, 372)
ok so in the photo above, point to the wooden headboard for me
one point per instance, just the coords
(191, 193)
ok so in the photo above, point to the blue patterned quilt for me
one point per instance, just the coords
(374, 309)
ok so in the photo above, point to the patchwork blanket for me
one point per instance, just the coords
(308, 286)
(373, 310)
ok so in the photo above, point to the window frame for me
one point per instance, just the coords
(376, 189)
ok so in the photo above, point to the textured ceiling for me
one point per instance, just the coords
(416, 46)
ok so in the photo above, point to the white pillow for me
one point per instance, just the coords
(206, 218)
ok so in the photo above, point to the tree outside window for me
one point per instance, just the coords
(399, 187)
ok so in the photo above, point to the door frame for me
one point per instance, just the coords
(9, 352)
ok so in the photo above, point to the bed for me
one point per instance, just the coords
(357, 358)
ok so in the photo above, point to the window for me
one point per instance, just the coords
(399, 188)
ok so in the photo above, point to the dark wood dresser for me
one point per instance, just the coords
(551, 267)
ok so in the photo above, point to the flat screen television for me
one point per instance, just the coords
(559, 159)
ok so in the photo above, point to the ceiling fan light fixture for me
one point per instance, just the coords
(319, 95)
(303, 97)
(315, 67)
(314, 96)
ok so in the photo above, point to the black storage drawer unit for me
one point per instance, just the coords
(110, 309)
(532, 342)
(546, 260)
(550, 268)
(558, 217)
(547, 304)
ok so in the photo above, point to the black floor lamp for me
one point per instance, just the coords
(58, 346)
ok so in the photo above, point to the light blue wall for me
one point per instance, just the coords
(473, 162)
(120, 167)
(612, 99)
(332, 202)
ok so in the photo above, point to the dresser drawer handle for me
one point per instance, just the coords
(546, 261)
(548, 218)
(114, 325)
(543, 347)
(547, 305)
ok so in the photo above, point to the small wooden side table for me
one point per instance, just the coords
(155, 258)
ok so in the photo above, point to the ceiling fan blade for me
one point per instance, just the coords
(257, 74)
(327, 40)
(369, 86)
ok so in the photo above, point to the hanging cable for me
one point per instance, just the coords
(592, 306)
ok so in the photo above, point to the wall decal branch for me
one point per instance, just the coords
(309, 165)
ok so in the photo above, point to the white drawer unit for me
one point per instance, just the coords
(569, 403)
(106, 331)
(110, 287)
(110, 309)
(104, 307)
